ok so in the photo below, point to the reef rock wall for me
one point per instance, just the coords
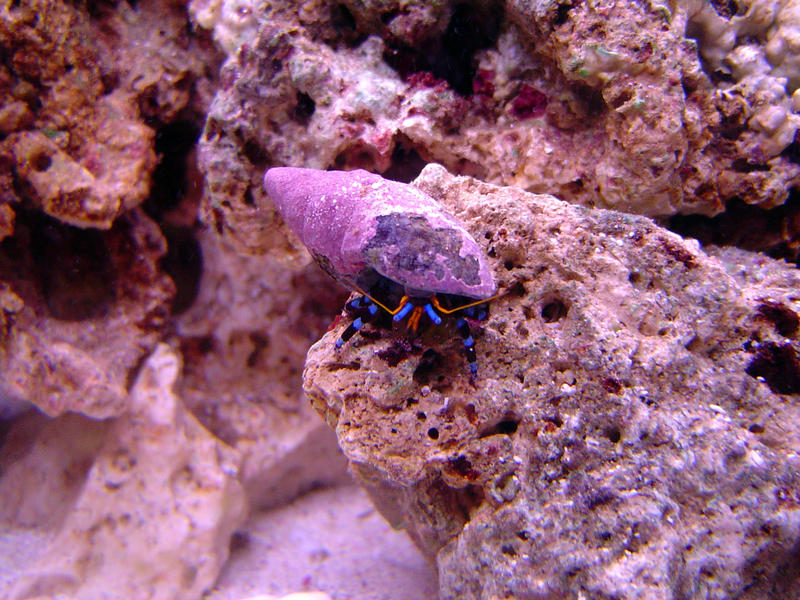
(649, 108)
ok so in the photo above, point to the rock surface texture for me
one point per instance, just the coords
(634, 431)
(83, 296)
(153, 516)
(652, 108)
(244, 340)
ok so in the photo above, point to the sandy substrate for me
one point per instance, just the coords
(331, 540)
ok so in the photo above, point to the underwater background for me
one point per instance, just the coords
(186, 410)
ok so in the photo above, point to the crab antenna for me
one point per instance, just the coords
(400, 305)
(450, 311)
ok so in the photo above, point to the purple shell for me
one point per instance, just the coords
(352, 221)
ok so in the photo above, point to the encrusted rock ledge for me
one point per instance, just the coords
(634, 430)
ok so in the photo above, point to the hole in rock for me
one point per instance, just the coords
(508, 550)
(41, 162)
(507, 426)
(345, 24)
(562, 13)
(742, 165)
(353, 365)
(195, 348)
(76, 275)
(260, 342)
(778, 365)
(406, 164)
(433, 433)
(613, 434)
(463, 467)
(517, 289)
(635, 277)
(304, 108)
(553, 311)
(388, 16)
(240, 540)
(248, 197)
(555, 420)
(472, 27)
(611, 385)
(357, 156)
(469, 498)
(792, 151)
(256, 154)
(600, 497)
(430, 362)
(768, 230)
(785, 320)
(725, 8)
(170, 184)
(184, 264)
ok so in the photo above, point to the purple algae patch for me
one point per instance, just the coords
(529, 103)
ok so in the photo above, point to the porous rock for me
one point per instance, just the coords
(168, 68)
(613, 103)
(80, 94)
(150, 518)
(79, 309)
(633, 431)
(82, 89)
(75, 144)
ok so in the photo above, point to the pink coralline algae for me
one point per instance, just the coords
(355, 223)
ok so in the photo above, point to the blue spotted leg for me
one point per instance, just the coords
(366, 311)
(479, 314)
(476, 312)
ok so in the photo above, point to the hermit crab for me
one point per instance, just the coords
(391, 243)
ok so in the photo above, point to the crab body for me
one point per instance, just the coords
(388, 240)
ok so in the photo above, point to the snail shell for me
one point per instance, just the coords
(355, 223)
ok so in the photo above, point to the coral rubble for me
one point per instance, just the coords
(80, 309)
(74, 142)
(633, 434)
(84, 295)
